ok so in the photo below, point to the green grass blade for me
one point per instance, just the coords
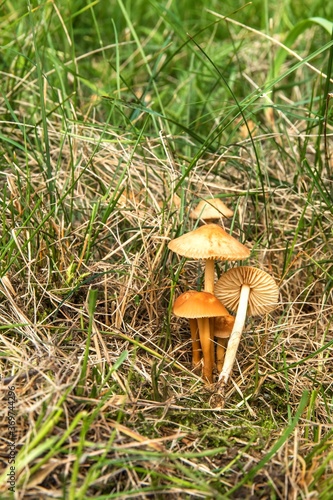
(292, 36)
(277, 445)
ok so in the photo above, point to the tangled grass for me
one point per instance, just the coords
(107, 405)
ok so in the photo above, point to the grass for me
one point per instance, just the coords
(108, 111)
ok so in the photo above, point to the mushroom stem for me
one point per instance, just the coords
(235, 336)
(221, 346)
(209, 275)
(206, 346)
(196, 347)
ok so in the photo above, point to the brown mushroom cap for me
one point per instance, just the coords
(223, 326)
(264, 292)
(212, 208)
(209, 242)
(194, 304)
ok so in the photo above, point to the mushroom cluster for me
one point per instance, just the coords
(244, 290)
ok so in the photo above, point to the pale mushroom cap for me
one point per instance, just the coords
(209, 242)
(264, 292)
(212, 208)
(223, 326)
(194, 304)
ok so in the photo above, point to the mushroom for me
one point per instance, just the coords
(209, 242)
(201, 306)
(222, 331)
(211, 209)
(196, 346)
(179, 305)
(249, 290)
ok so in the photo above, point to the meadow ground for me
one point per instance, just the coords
(117, 118)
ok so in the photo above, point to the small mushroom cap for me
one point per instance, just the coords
(264, 292)
(194, 304)
(223, 326)
(209, 242)
(212, 208)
